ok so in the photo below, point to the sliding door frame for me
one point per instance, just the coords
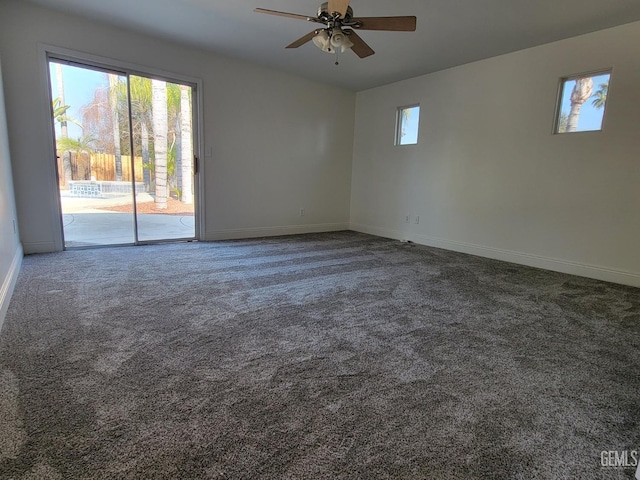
(82, 59)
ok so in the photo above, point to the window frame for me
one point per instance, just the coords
(398, 130)
(560, 90)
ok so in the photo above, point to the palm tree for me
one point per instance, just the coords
(562, 122)
(582, 91)
(144, 119)
(186, 144)
(160, 130)
(174, 159)
(406, 115)
(81, 145)
(600, 97)
(141, 114)
(114, 82)
(60, 111)
(84, 144)
(60, 115)
(144, 140)
(64, 133)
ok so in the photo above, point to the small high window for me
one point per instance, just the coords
(407, 125)
(582, 102)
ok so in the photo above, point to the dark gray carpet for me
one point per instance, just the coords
(317, 356)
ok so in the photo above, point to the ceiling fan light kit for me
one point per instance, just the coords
(323, 41)
(335, 15)
(340, 40)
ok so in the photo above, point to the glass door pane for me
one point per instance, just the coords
(163, 156)
(91, 119)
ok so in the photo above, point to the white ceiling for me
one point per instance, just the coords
(449, 33)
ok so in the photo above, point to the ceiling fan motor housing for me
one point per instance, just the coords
(323, 12)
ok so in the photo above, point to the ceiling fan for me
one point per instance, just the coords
(338, 33)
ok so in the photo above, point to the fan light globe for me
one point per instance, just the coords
(340, 40)
(323, 42)
(337, 37)
(346, 43)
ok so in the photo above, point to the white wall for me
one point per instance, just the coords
(10, 248)
(489, 178)
(278, 144)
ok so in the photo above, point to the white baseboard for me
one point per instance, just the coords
(378, 232)
(39, 247)
(9, 283)
(556, 265)
(240, 233)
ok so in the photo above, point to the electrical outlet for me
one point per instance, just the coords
(417, 220)
(302, 212)
(406, 219)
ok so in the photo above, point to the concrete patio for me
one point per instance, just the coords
(87, 223)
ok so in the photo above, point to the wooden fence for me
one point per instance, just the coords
(100, 166)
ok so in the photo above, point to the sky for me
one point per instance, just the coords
(411, 127)
(79, 85)
(590, 117)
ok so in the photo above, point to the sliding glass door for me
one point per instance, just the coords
(163, 139)
(125, 161)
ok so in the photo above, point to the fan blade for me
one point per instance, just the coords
(359, 47)
(302, 40)
(338, 6)
(283, 14)
(394, 24)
